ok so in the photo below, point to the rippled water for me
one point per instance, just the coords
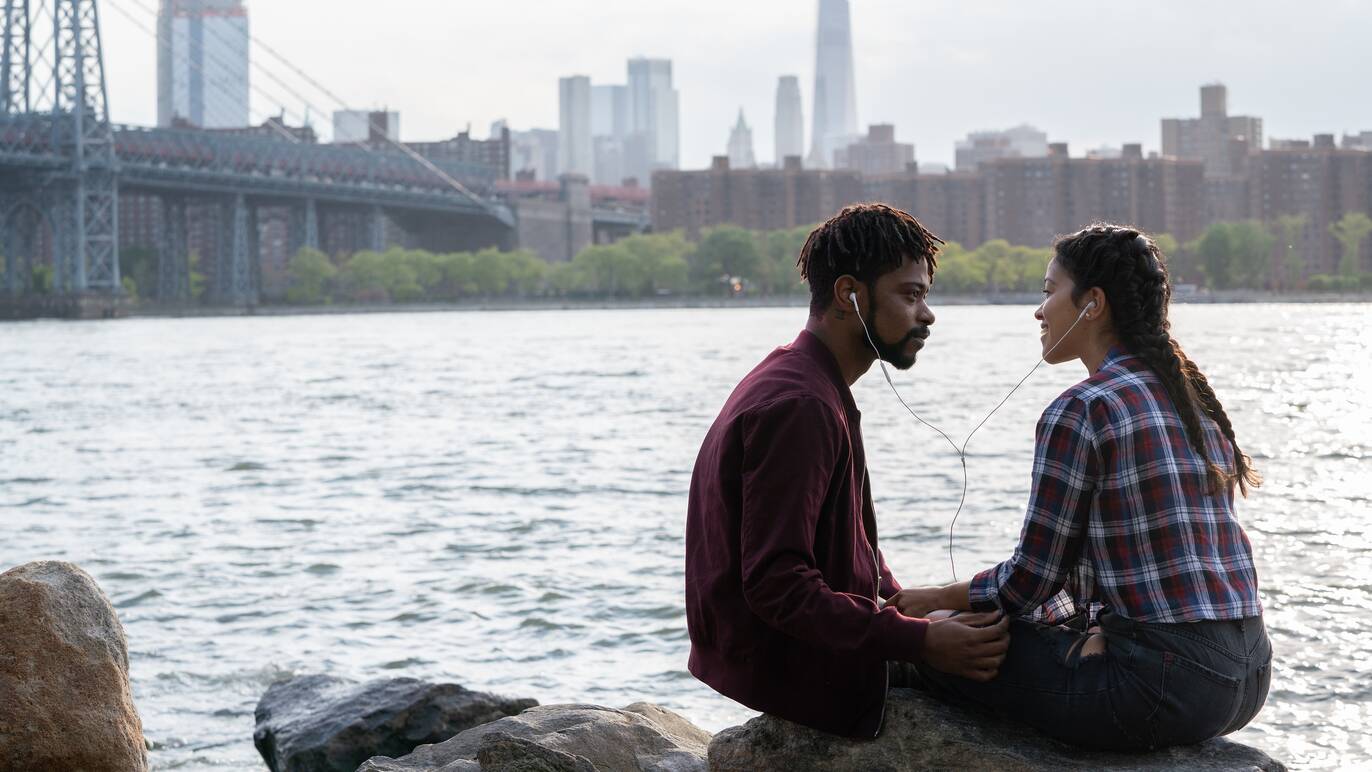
(498, 498)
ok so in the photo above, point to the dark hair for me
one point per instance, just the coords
(864, 241)
(1128, 267)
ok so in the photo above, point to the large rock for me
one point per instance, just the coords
(318, 723)
(65, 702)
(565, 738)
(921, 733)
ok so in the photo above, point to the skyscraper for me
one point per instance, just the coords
(835, 102)
(609, 130)
(790, 121)
(574, 126)
(609, 111)
(202, 63)
(653, 112)
(741, 145)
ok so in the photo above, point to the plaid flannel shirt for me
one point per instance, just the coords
(1121, 515)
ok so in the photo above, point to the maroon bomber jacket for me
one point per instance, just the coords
(783, 575)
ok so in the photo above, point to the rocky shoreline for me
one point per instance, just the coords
(68, 706)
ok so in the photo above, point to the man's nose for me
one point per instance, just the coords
(926, 314)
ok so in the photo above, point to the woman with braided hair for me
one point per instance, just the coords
(1135, 622)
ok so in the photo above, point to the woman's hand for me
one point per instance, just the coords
(917, 602)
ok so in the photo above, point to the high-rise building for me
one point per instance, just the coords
(202, 63)
(741, 145)
(877, 153)
(790, 121)
(1023, 141)
(1219, 140)
(365, 126)
(533, 153)
(654, 115)
(835, 100)
(609, 111)
(610, 115)
(574, 126)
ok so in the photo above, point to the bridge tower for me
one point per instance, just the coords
(57, 145)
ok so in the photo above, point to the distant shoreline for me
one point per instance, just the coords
(123, 310)
(566, 304)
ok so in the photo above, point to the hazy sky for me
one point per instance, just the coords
(1088, 72)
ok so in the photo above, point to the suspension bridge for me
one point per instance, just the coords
(64, 167)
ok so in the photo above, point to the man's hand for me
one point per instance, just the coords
(917, 602)
(968, 645)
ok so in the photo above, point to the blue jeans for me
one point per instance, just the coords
(1156, 684)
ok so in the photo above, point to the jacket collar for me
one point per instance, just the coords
(811, 346)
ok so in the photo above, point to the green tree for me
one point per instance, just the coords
(456, 275)
(959, 271)
(726, 252)
(1350, 231)
(780, 249)
(565, 279)
(1214, 248)
(139, 265)
(1251, 257)
(42, 279)
(376, 277)
(309, 277)
(527, 271)
(490, 274)
(996, 260)
(662, 260)
(610, 269)
(1166, 243)
(1289, 230)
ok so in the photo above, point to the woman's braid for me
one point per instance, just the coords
(1129, 269)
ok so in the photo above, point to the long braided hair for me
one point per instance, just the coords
(1128, 267)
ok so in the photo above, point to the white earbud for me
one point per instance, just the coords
(1090, 305)
(853, 297)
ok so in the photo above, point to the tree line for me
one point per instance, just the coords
(731, 261)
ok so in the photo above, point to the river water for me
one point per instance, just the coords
(498, 499)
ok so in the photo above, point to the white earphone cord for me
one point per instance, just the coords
(961, 451)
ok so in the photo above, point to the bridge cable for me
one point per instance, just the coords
(372, 125)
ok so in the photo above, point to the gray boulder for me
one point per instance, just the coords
(319, 723)
(565, 738)
(65, 702)
(920, 732)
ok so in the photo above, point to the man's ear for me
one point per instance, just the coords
(845, 287)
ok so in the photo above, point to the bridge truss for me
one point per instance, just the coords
(52, 92)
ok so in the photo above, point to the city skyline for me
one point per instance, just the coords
(937, 71)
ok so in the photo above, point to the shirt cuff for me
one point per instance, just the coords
(983, 594)
(904, 639)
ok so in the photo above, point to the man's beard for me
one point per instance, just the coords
(893, 352)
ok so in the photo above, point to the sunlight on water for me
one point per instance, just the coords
(498, 499)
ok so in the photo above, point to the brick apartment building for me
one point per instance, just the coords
(1025, 201)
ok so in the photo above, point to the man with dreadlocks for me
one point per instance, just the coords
(785, 585)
